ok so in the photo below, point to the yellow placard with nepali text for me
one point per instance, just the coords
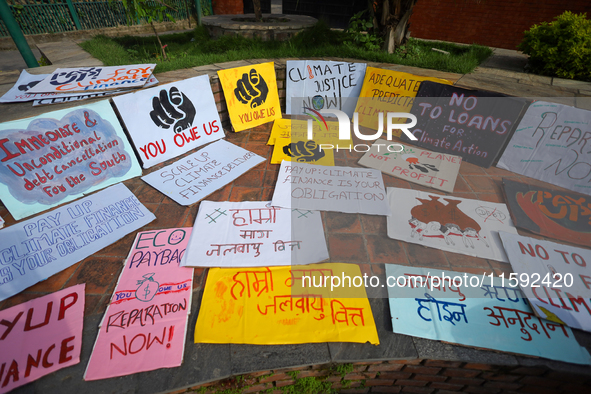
(251, 95)
(386, 91)
(284, 305)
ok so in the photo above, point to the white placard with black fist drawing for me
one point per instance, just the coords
(170, 119)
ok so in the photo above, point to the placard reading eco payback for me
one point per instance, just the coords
(386, 91)
(454, 224)
(254, 234)
(431, 169)
(33, 250)
(322, 188)
(40, 336)
(319, 84)
(145, 325)
(62, 155)
(555, 278)
(552, 144)
(258, 306)
(551, 213)
(170, 119)
(199, 174)
(251, 95)
(475, 310)
(472, 124)
(88, 79)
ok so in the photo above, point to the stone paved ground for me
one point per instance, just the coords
(351, 238)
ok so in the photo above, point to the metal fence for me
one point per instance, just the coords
(56, 16)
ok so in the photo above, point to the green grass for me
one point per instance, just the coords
(195, 48)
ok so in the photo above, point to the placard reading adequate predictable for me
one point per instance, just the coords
(386, 91)
(145, 325)
(555, 278)
(454, 224)
(552, 144)
(170, 119)
(199, 174)
(472, 124)
(551, 213)
(89, 79)
(251, 95)
(339, 189)
(40, 336)
(254, 234)
(475, 310)
(436, 170)
(258, 306)
(33, 250)
(319, 84)
(61, 156)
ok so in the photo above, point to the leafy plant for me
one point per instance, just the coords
(561, 48)
(361, 33)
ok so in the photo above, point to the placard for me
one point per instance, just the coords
(431, 169)
(339, 189)
(89, 79)
(453, 224)
(297, 129)
(251, 95)
(60, 156)
(199, 174)
(552, 144)
(555, 278)
(473, 124)
(40, 336)
(480, 311)
(257, 306)
(254, 234)
(145, 325)
(302, 151)
(33, 250)
(171, 119)
(320, 84)
(551, 213)
(387, 91)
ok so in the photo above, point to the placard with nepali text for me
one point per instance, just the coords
(199, 174)
(279, 305)
(473, 124)
(453, 224)
(169, 120)
(254, 234)
(388, 91)
(475, 310)
(96, 78)
(431, 169)
(322, 188)
(552, 144)
(320, 84)
(145, 325)
(37, 248)
(555, 278)
(550, 212)
(40, 336)
(60, 156)
(251, 95)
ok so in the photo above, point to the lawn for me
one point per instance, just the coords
(196, 48)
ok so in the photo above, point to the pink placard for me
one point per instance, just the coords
(145, 325)
(39, 337)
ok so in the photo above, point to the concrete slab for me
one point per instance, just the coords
(506, 59)
(13, 60)
(234, 64)
(436, 350)
(571, 84)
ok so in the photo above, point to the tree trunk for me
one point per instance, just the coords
(159, 42)
(393, 17)
(257, 10)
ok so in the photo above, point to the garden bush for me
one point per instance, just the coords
(561, 48)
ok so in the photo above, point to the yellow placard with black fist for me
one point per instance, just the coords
(251, 95)
(303, 151)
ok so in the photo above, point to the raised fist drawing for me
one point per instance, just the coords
(172, 107)
(28, 86)
(251, 88)
(304, 151)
